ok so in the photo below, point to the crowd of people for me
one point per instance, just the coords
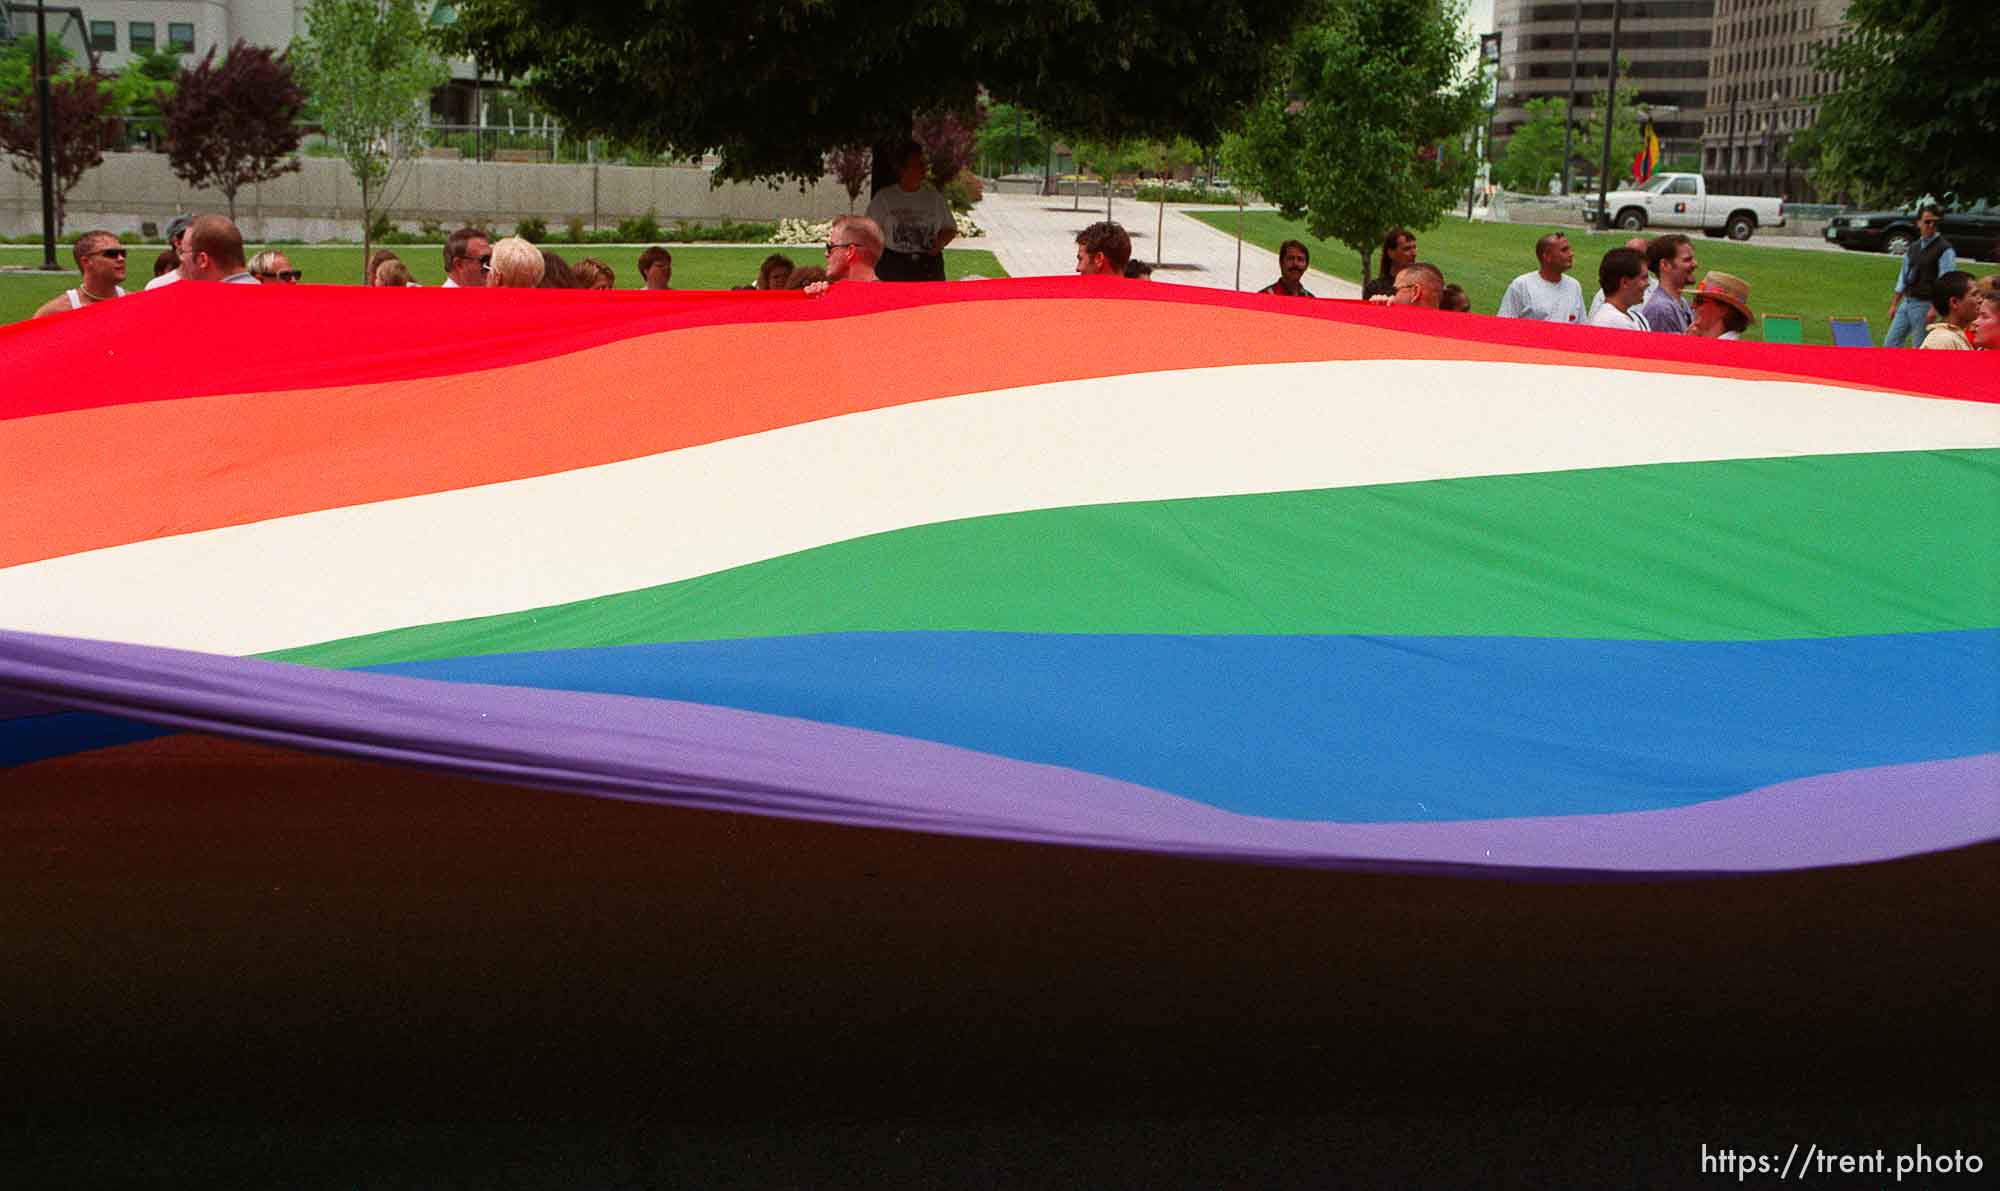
(1643, 285)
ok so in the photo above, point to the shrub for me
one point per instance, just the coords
(966, 228)
(575, 230)
(1186, 193)
(383, 227)
(643, 229)
(534, 229)
(964, 190)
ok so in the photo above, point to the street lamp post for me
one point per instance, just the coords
(1610, 119)
(1569, 108)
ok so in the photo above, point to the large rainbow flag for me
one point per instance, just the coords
(1105, 564)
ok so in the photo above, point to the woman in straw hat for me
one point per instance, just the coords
(1721, 307)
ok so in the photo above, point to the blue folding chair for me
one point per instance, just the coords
(1851, 331)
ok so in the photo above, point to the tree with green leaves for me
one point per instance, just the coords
(1355, 137)
(771, 84)
(1914, 114)
(146, 82)
(1628, 130)
(1535, 151)
(1011, 137)
(233, 124)
(369, 69)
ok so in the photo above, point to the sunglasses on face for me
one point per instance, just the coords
(286, 274)
(486, 263)
(116, 254)
(831, 246)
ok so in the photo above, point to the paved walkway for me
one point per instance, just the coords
(1035, 235)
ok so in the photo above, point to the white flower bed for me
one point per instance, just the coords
(802, 231)
(966, 228)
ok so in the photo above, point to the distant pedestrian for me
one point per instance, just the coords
(1546, 294)
(1399, 252)
(177, 244)
(1721, 307)
(916, 222)
(1621, 277)
(468, 255)
(100, 258)
(516, 264)
(394, 274)
(1102, 250)
(805, 277)
(1293, 261)
(275, 268)
(1454, 298)
(1957, 305)
(656, 268)
(1138, 270)
(1924, 262)
(1419, 284)
(591, 273)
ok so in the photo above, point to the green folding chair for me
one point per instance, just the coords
(1850, 331)
(1784, 328)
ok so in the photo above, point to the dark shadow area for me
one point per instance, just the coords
(235, 965)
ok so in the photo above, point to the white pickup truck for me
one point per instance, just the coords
(1684, 201)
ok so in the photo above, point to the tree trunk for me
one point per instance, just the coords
(231, 196)
(1366, 256)
(367, 227)
(1160, 231)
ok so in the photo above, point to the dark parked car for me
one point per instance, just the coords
(1972, 228)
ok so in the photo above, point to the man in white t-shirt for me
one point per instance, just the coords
(1638, 244)
(1621, 277)
(177, 240)
(916, 222)
(1546, 294)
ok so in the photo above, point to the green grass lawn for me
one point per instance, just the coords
(340, 264)
(1484, 257)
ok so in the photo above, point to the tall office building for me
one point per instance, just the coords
(1762, 91)
(1664, 44)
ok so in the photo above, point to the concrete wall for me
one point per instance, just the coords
(322, 202)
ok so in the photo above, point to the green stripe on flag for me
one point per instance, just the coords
(1815, 546)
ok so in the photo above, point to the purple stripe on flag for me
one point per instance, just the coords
(696, 755)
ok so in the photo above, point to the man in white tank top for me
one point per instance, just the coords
(101, 260)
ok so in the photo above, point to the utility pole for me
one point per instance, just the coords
(1569, 108)
(1610, 118)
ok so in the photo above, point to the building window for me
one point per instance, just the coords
(180, 37)
(141, 37)
(104, 35)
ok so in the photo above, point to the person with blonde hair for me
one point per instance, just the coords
(274, 268)
(851, 253)
(517, 264)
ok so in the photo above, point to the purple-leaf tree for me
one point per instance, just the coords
(852, 166)
(949, 140)
(77, 104)
(233, 123)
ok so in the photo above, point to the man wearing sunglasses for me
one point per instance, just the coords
(1930, 258)
(101, 260)
(274, 268)
(852, 248)
(466, 255)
